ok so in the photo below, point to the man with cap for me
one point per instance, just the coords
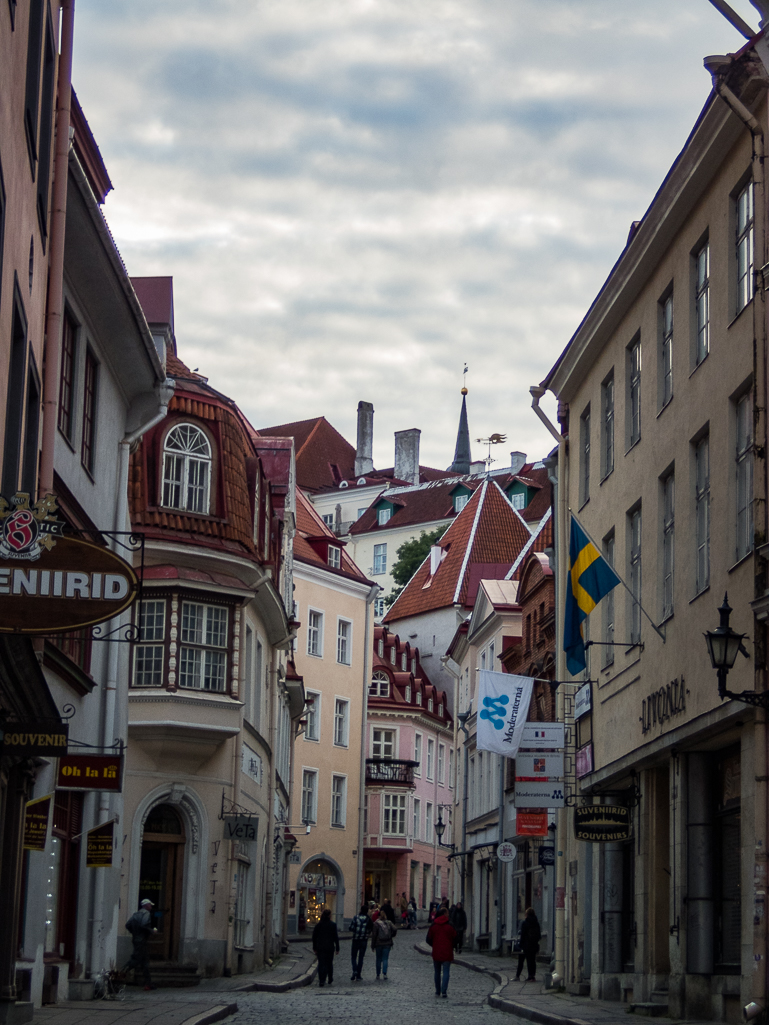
(140, 929)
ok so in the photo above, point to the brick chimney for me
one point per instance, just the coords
(363, 452)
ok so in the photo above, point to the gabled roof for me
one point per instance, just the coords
(323, 456)
(309, 525)
(481, 544)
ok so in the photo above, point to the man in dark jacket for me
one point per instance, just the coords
(325, 943)
(140, 927)
(441, 936)
(360, 927)
(458, 918)
(387, 910)
(530, 936)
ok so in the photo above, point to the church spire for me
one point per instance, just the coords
(462, 457)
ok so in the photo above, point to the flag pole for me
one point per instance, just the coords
(658, 630)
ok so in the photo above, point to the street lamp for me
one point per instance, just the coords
(723, 646)
(440, 827)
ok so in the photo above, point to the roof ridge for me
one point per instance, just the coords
(309, 437)
(516, 511)
(529, 544)
(470, 541)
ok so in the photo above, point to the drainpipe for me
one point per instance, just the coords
(560, 529)
(445, 659)
(367, 643)
(52, 345)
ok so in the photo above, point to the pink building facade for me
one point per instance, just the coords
(410, 778)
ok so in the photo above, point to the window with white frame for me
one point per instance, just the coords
(668, 542)
(341, 722)
(634, 560)
(744, 468)
(334, 557)
(312, 716)
(492, 653)
(666, 350)
(343, 638)
(404, 662)
(314, 633)
(380, 647)
(408, 693)
(440, 710)
(428, 822)
(483, 660)
(419, 697)
(338, 801)
(413, 665)
(380, 559)
(383, 744)
(328, 519)
(393, 657)
(379, 607)
(429, 704)
(702, 303)
(383, 515)
(460, 501)
(394, 815)
(203, 652)
(309, 795)
(518, 500)
(430, 757)
(634, 391)
(451, 767)
(417, 817)
(380, 685)
(607, 426)
(702, 513)
(745, 224)
(441, 760)
(584, 456)
(148, 656)
(418, 754)
(187, 469)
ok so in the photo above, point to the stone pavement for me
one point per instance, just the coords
(533, 1002)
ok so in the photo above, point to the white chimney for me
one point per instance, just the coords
(517, 461)
(407, 455)
(363, 452)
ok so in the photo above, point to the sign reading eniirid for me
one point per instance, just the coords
(90, 772)
(73, 583)
(34, 738)
(602, 823)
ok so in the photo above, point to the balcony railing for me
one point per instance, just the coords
(390, 772)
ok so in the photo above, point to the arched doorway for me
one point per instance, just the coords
(319, 887)
(160, 878)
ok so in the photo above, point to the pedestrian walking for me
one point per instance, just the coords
(530, 935)
(388, 910)
(382, 938)
(458, 918)
(140, 927)
(412, 913)
(441, 937)
(325, 943)
(360, 927)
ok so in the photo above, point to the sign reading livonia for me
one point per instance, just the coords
(50, 582)
(34, 738)
(602, 823)
(90, 772)
(36, 816)
(100, 843)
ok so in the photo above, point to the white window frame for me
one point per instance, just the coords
(383, 516)
(380, 559)
(743, 458)
(417, 823)
(341, 722)
(460, 501)
(313, 716)
(702, 514)
(418, 753)
(668, 504)
(382, 743)
(607, 426)
(430, 767)
(183, 488)
(701, 303)
(152, 646)
(315, 633)
(309, 795)
(441, 761)
(380, 684)
(394, 805)
(744, 210)
(584, 456)
(344, 641)
(634, 391)
(429, 824)
(334, 557)
(666, 350)
(210, 654)
(451, 767)
(338, 818)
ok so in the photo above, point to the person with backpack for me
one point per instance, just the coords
(140, 927)
(382, 937)
(441, 936)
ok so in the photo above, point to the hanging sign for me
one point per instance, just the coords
(540, 735)
(50, 582)
(602, 823)
(100, 843)
(504, 702)
(583, 701)
(34, 738)
(240, 827)
(584, 762)
(90, 772)
(531, 823)
(541, 794)
(538, 766)
(546, 856)
(36, 816)
(506, 852)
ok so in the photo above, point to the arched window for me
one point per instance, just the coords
(187, 469)
(380, 685)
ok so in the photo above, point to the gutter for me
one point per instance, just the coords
(373, 592)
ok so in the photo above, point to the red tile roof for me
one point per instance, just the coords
(156, 296)
(310, 525)
(323, 456)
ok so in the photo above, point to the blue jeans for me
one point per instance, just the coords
(358, 953)
(382, 957)
(446, 966)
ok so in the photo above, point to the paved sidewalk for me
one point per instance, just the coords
(532, 1001)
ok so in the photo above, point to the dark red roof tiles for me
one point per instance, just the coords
(309, 525)
(323, 456)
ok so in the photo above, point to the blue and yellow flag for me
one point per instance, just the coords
(590, 579)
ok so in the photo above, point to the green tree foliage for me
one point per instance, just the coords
(410, 557)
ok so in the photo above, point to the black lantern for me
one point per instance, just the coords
(724, 644)
(440, 827)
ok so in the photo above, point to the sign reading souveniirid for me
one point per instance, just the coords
(50, 582)
(100, 843)
(34, 738)
(602, 823)
(36, 816)
(90, 772)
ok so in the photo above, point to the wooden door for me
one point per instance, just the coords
(160, 879)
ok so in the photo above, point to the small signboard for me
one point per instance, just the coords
(36, 818)
(538, 736)
(602, 823)
(34, 738)
(90, 772)
(538, 766)
(546, 856)
(546, 794)
(241, 827)
(100, 843)
(584, 764)
(506, 852)
(583, 701)
(531, 823)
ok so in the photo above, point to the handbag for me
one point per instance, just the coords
(517, 948)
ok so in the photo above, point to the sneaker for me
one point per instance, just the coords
(354, 977)
(445, 996)
(359, 978)
(385, 978)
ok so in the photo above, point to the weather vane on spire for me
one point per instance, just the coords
(464, 380)
(493, 439)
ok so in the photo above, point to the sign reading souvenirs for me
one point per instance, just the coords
(602, 823)
(663, 704)
(240, 827)
(36, 816)
(99, 845)
(90, 772)
(34, 738)
(50, 582)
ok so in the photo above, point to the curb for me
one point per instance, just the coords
(279, 987)
(211, 1015)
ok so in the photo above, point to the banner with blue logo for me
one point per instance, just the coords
(503, 707)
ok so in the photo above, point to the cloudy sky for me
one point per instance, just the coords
(356, 197)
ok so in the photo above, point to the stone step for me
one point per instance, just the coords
(660, 996)
(649, 1009)
(578, 989)
(172, 975)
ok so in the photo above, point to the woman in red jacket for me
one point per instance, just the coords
(441, 937)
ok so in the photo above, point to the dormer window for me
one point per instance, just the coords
(419, 697)
(334, 557)
(187, 469)
(393, 659)
(383, 515)
(380, 685)
(429, 704)
(414, 666)
(404, 662)
(408, 693)
(518, 500)
(460, 501)
(440, 710)
(380, 647)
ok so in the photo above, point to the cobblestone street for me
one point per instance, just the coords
(409, 990)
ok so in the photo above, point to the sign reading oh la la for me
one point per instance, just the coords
(51, 582)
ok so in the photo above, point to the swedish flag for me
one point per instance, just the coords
(590, 579)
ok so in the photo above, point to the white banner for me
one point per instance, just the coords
(503, 704)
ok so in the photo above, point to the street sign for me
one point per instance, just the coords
(546, 856)
(506, 852)
(602, 823)
(538, 766)
(90, 772)
(34, 738)
(540, 735)
(582, 701)
(241, 827)
(546, 794)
